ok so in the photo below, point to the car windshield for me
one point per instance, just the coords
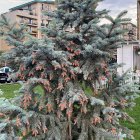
(6, 70)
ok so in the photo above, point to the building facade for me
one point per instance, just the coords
(31, 14)
(131, 34)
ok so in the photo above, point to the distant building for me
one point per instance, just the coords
(131, 35)
(32, 14)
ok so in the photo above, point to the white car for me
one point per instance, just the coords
(6, 70)
(3, 77)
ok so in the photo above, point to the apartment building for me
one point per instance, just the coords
(131, 34)
(31, 14)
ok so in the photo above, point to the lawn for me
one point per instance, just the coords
(135, 113)
(11, 90)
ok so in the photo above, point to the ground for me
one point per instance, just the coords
(11, 90)
(135, 113)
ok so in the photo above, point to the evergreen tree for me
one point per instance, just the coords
(70, 63)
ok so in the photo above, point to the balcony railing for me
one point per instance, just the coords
(34, 30)
(46, 17)
(26, 13)
(46, 8)
(33, 23)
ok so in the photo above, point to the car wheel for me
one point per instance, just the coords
(8, 81)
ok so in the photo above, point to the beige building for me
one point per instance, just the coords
(131, 35)
(31, 14)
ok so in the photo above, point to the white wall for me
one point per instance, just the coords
(125, 55)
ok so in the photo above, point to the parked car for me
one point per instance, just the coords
(6, 70)
(5, 73)
(3, 77)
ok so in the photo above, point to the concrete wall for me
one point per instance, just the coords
(127, 54)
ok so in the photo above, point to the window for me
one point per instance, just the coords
(48, 7)
(29, 7)
(7, 70)
(2, 69)
(42, 23)
(30, 29)
(42, 7)
(30, 21)
(125, 26)
(21, 20)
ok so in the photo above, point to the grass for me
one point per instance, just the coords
(134, 113)
(10, 92)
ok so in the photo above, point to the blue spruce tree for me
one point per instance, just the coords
(70, 63)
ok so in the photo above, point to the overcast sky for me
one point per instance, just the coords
(114, 5)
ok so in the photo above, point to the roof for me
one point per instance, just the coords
(32, 2)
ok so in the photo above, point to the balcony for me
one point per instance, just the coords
(29, 23)
(42, 24)
(46, 8)
(26, 13)
(32, 30)
(49, 8)
(32, 24)
(48, 18)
